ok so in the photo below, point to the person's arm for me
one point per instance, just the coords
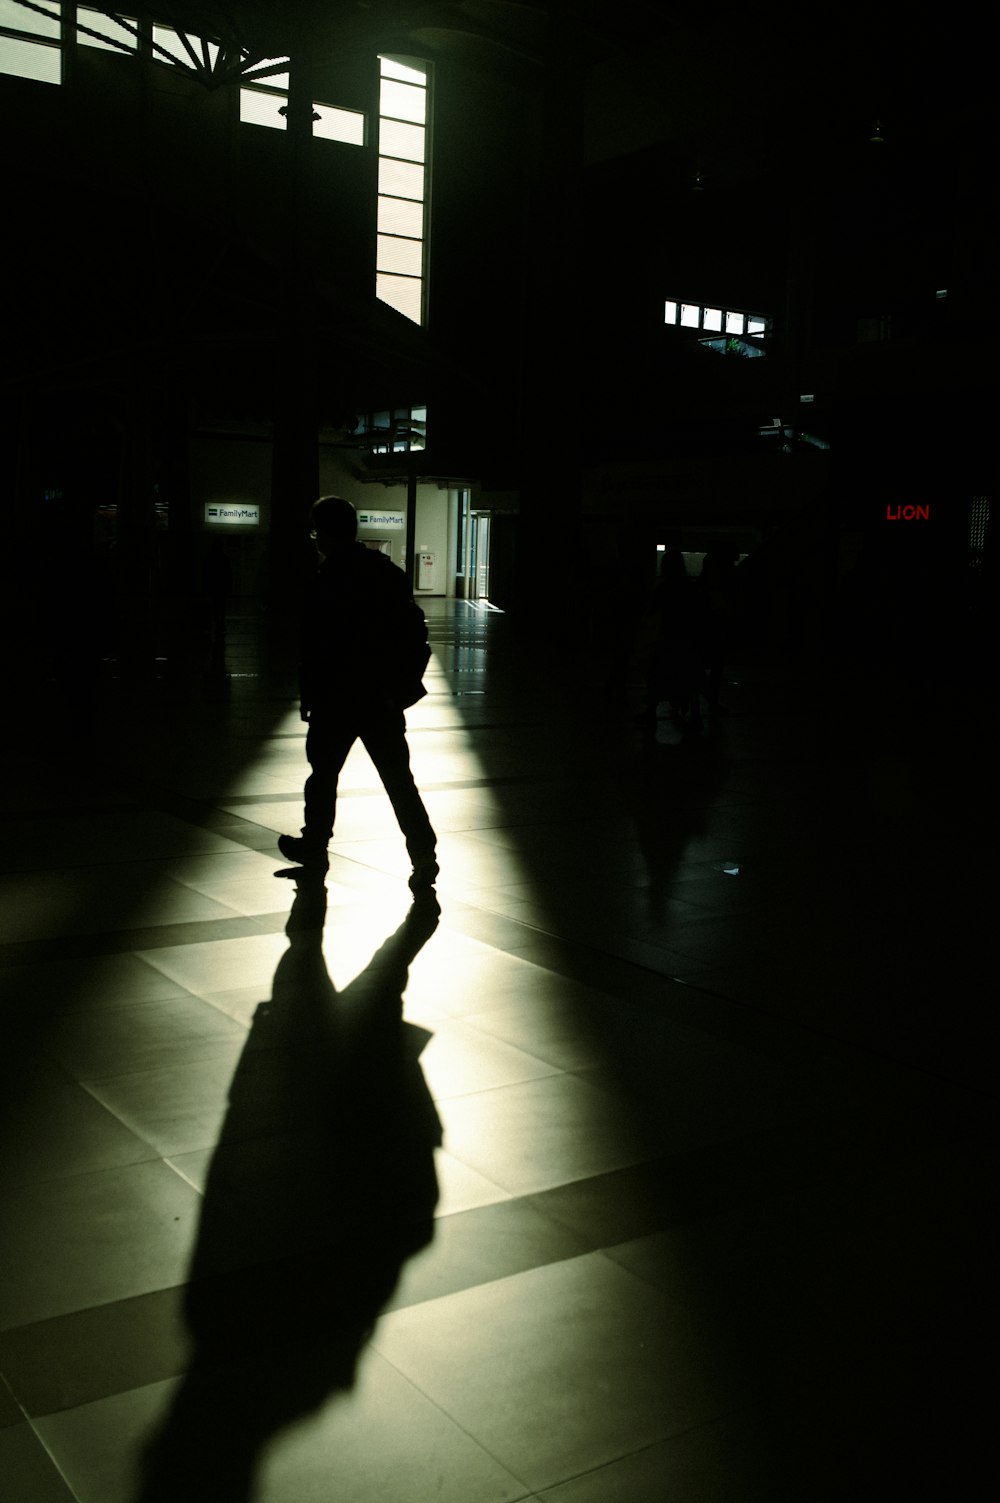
(410, 648)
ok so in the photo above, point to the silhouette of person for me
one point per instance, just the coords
(321, 1187)
(718, 586)
(674, 670)
(364, 652)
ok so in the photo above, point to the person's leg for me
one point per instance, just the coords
(383, 735)
(328, 741)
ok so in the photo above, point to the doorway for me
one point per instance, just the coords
(472, 581)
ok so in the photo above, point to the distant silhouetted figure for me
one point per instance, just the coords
(675, 672)
(718, 586)
(364, 652)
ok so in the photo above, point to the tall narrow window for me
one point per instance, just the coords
(979, 522)
(401, 266)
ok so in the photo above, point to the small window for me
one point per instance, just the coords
(403, 101)
(38, 21)
(670, 313)
(712, 320)
(392, 68)
(690, 315)
(267, 73)
(109, 33)
(24, 57)
(258, 108)
(21, 58)
(400, 216)
(400, 179)
(404, 256)
(735, 323)
(402, 293)
(397, 139)
(339, 125)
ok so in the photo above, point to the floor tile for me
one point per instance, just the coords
(538, 1133)
(92, 1353)
(488, 1242)
(380, 1441)
(174, 1108)
(91, 1238)
(583, 1365)
(220, 965)
(100, 979)
(29, 1474)
(174, 1031)
(461, 1060)
(55, 1128)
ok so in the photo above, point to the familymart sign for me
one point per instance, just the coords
(390, 521)
(232, 514)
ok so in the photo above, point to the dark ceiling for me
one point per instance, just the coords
(748, 83)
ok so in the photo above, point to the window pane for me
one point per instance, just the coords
(339, 125)
(397, 216)
(398, 140)
(712, 318)
(111, 31)
(166, 37)
(755, 324)
(400, 255)
(401, 293)
(19, 18)
(734, 323)
(690, 313)
(277, 81)
(403, 101)
(30, 60)
(262, 109)
(391, 69)
(400, 179)
(256, 72)
(670, 313)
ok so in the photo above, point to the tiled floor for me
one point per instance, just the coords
(671, 1186)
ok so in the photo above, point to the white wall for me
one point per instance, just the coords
(432, 517)
(238, 468)
(432, 538)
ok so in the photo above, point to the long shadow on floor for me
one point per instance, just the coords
(321, 1186)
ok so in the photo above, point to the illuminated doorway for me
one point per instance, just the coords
(472, 572)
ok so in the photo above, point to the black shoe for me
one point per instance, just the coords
(424, 875)
(297, 848)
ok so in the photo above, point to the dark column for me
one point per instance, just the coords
(411, 523)
(295, 464)
(554, 377)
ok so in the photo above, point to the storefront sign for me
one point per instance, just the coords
(920, 513)
(239, 514)
(390, 520)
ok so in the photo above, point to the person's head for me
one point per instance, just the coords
(334, 523)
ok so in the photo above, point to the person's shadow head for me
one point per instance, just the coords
(320, 1187)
